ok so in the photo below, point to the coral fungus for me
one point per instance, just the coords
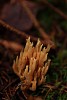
(32, 65)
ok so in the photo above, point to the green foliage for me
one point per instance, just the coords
(48, 16)
(56, 96)
(63, 25)
(62, 96)
(45, 19)
(57, 75)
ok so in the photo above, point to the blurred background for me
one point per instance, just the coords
(44, 19)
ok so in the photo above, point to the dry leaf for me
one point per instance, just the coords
(14, 14)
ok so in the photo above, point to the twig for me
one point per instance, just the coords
(8, 98)
(11, 45)
(55, 9)
(4, 24)
(3, 77)
(36, 23)
(47, 93)
(24, 35)
(9, 85)
(49, 86)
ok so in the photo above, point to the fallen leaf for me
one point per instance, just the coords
(14, 14)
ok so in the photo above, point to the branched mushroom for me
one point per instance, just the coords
(32, 65)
